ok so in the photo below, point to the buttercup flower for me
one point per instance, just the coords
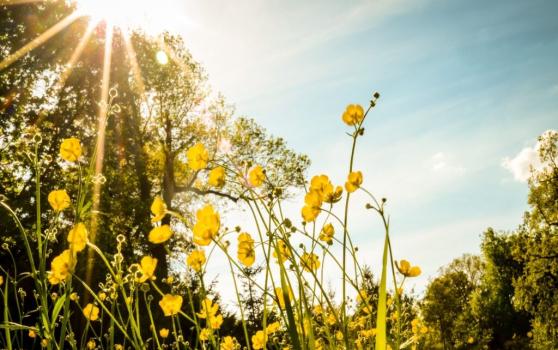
(196, 259)
(147, 268)
(281, 297)
(77, 237)
(258, 340)
(91, 344)
(354, 180)
(256, 176)
(282, 252)
(70, 149)
(215, 322)
(246, 250)
(158, 209)
(205, 334)
(1, 280)
(170, 304)
(32, 334)
(228, 343)
(407, 270)
(272, 327)
(309, 213)
(208, 309)
(60, 267)
(160, 234)
(217, 177)
(207, 226)
(325, 190)
(310, 262)
(327, 233)
(354, 114)
(59, 200)
(164, 332)
(197, 157)
(91, 312)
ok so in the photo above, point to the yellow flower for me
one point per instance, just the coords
(281, 252)
(272, 327)
(60, 267)
(281, 297)
(1, 280)
(164, 332)
(215, 322)
(256, 176)
(246, 250)
(74, 296)
(310, 262)
(258, 340)
(197, 156)
(160, 234)
(318, 310)
(207, 225)
(331, 320)
(70, 149)
(327, 233)
(339, 335)
(470, 340)
(158, 209)
(59, 200)
(32, 334)
(368, 333)
(170, 304)
(354, 114)
(325, 190)
(147, 268)
(309, 213)
(91, 312)
(205, 334)
(102, 296)
(196, 259)
(228, 343)
(91, 344)
(354, 180)
(407, 270)
(44, 342)
(208, 309)
(77, 237)
(217, 177)
(118, 347)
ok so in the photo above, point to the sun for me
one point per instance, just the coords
(149, 15)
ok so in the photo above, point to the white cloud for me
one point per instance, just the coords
(521, 165)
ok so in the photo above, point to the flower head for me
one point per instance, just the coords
(309, 213)
(310, 262)
(147, 268)
(196, 259)
(246, 250)
(77, 237)
(60, 267)
(327, 233)
(258, 340)
(282, 252)
(70, 149)
(228, 343)
(256, 176)
(208, 309)
(170, 304)
(91, 312)
(207, 225)
(325, 189)
(353, 115)
(158, 209)
(160, 234)
(407, 270)
(59, 200)
(164, 332)
(354, 180)
(197, 156)
(217, 177)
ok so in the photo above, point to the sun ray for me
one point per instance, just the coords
(132, 58)
(76, 54)
(18, 2)
(49, 33)
(100, 149)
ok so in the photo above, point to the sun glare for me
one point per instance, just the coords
(145, 14)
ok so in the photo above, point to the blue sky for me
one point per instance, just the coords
(467, 86)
